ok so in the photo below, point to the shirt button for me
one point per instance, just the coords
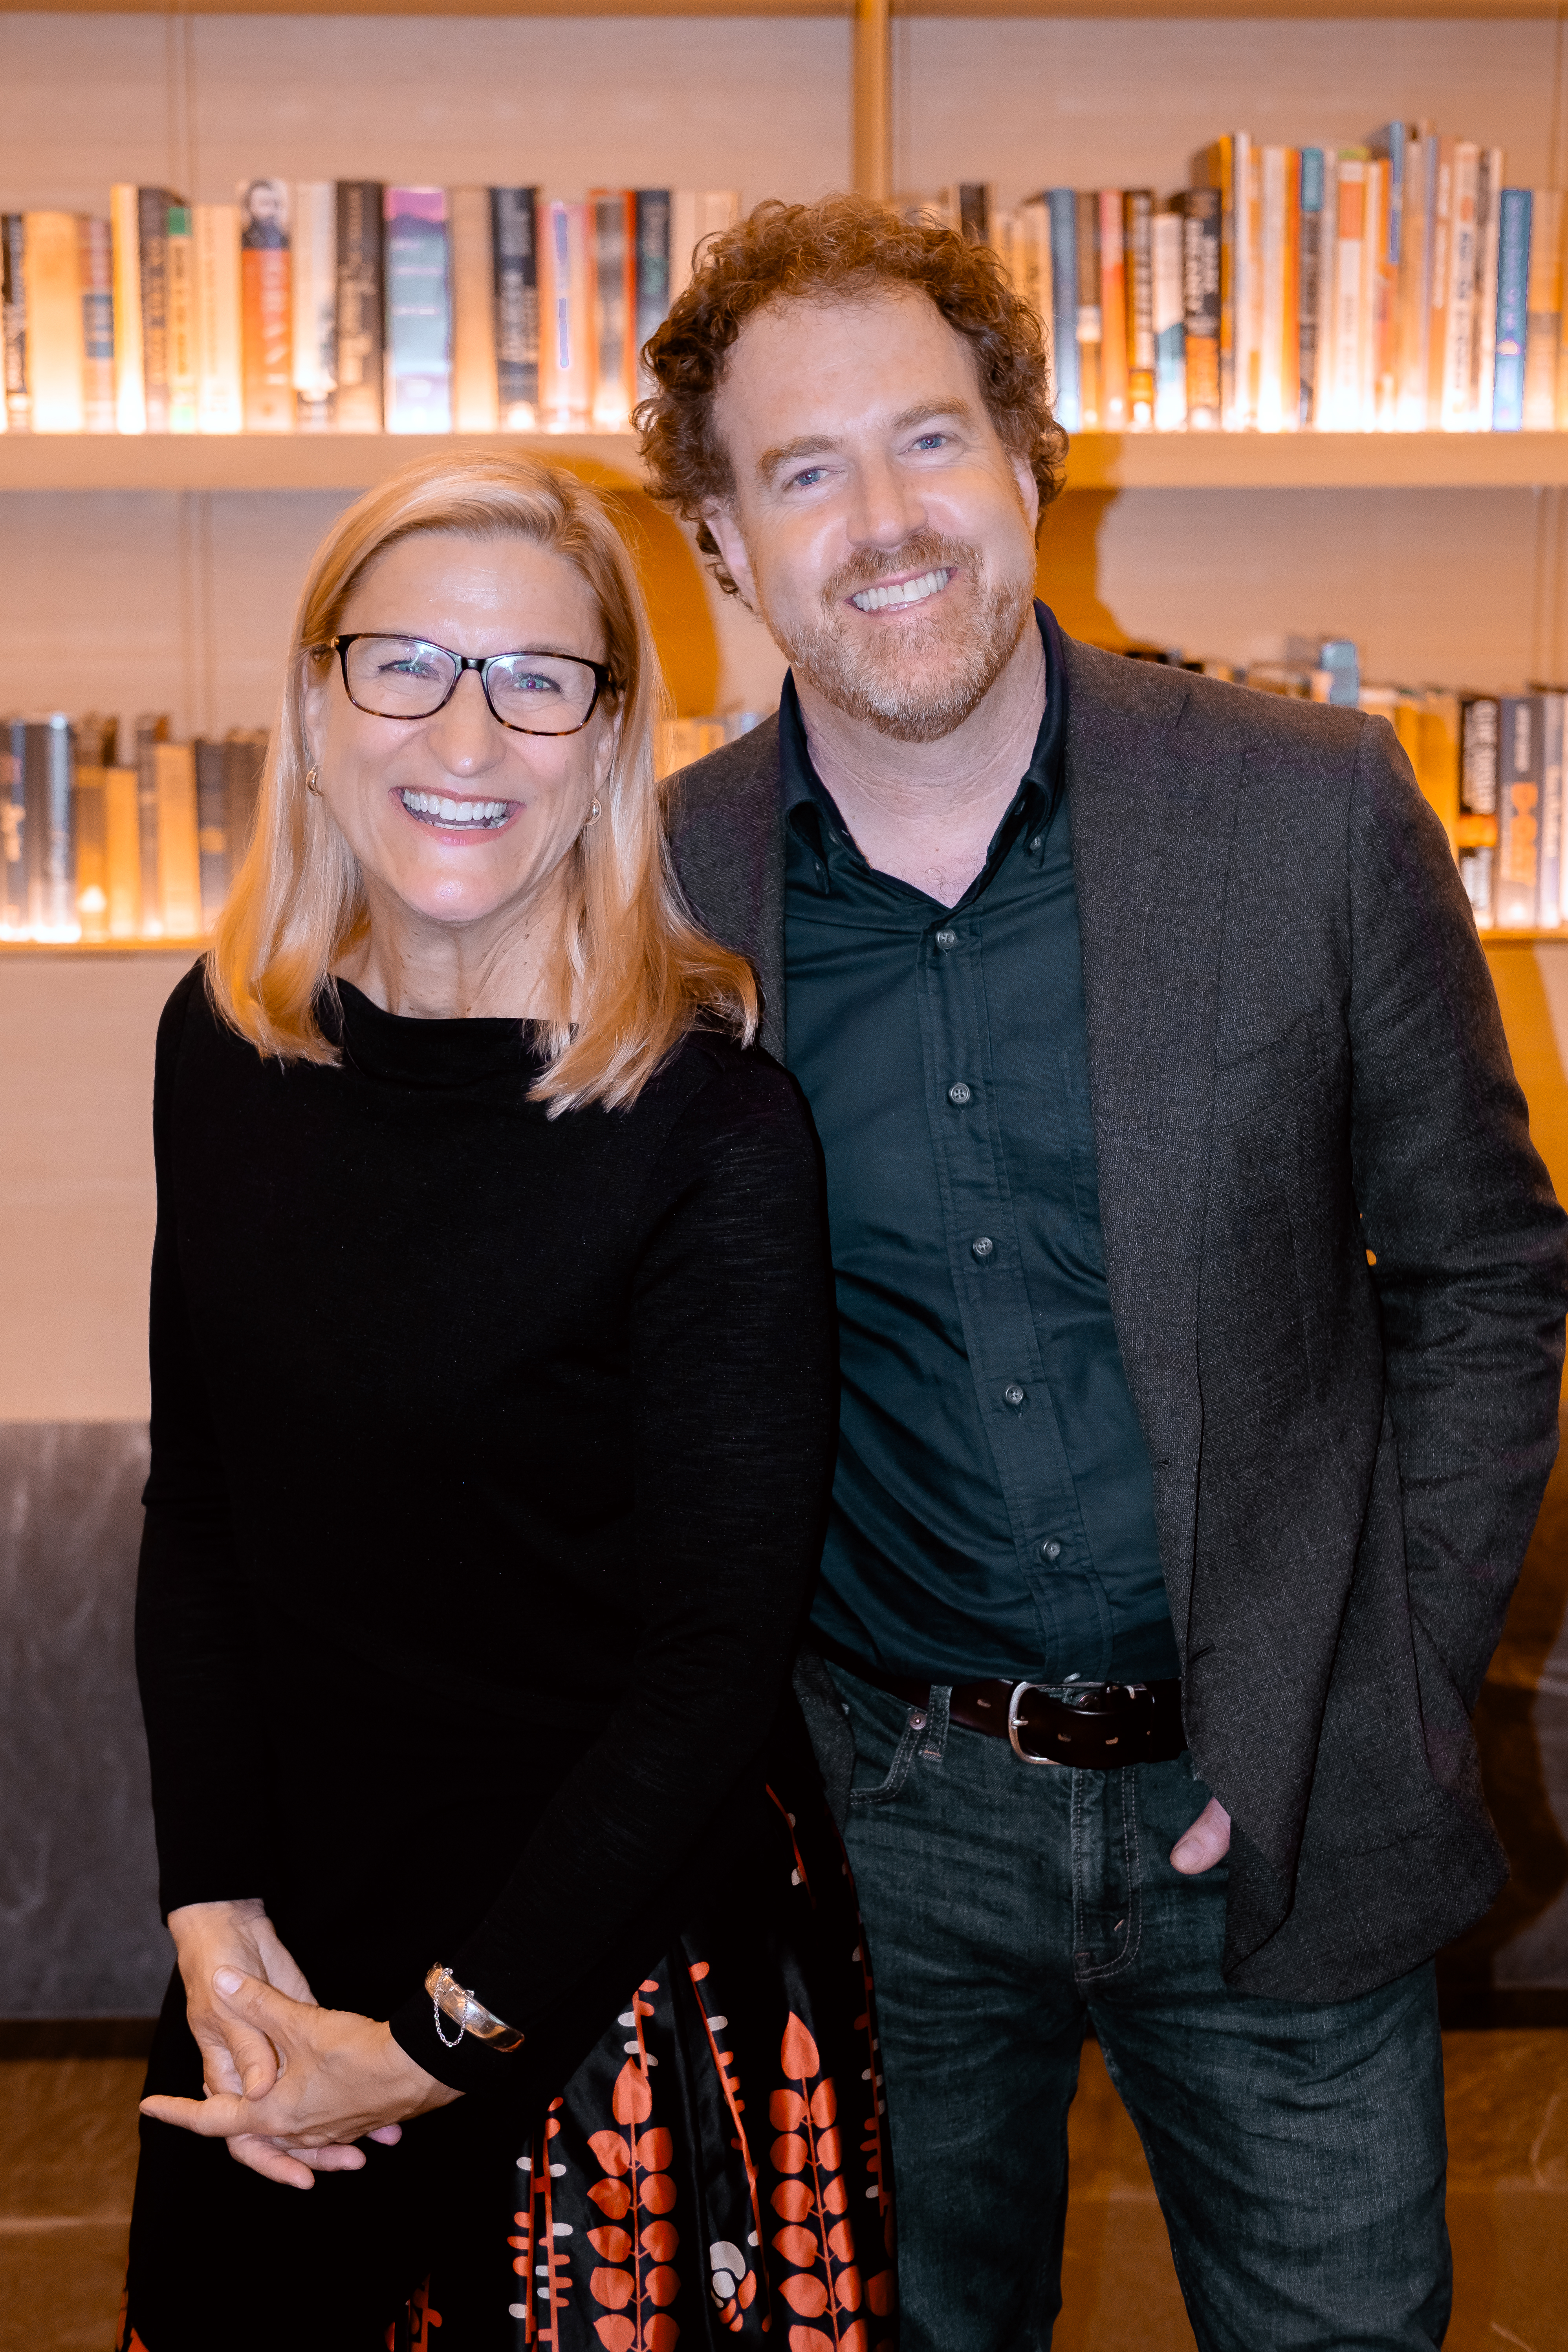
(1050, 1550)
(946, 939)
(982, 1249)
(958, 1093)
(1014, 1395)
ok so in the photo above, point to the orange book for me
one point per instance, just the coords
(1112, 314)
(265, 296)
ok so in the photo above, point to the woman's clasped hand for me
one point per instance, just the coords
(288, 2085)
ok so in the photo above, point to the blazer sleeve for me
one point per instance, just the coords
(733, 1355)
(194, 1663)
(1471, 1260)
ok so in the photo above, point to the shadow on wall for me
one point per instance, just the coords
(80, 1932)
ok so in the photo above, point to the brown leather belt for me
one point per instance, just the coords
(1098, 1727)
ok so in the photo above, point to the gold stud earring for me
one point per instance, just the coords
(311, 785)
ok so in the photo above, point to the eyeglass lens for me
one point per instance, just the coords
(404, 678)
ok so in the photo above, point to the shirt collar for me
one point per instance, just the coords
(811, 813)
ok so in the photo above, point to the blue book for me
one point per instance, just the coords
(1512, 293)
(419, 313)
(1068, 403)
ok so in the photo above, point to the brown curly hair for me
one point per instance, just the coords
(842, 245)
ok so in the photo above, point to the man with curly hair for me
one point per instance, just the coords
(1201, 1302)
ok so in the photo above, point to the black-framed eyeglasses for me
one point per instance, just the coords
(393, 677)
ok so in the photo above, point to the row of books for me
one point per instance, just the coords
(343, 305)
(1491, 766)
(91, 849)
(1397, 285)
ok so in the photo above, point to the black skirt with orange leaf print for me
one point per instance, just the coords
(717, 2169)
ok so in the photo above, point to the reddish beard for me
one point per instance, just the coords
(931, 673)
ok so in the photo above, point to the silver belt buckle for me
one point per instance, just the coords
(1021, 1752)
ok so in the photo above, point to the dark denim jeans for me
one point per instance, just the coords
(1299, 2153)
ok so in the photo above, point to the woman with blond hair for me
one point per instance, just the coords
(492, 1429)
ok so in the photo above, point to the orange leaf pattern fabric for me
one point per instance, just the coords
(715, 2172)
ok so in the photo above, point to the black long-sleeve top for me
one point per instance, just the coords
(490, 1461)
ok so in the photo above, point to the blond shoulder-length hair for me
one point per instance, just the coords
(634, 974)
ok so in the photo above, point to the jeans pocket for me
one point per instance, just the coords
(882, 1792)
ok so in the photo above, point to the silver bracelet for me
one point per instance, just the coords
(448, 1998)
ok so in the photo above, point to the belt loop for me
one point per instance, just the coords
(936, 1722)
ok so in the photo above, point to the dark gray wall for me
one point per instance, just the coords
(80, 1934)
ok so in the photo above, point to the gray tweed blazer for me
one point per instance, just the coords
(1297, 1067)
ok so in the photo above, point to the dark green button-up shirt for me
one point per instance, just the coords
(992, 1510)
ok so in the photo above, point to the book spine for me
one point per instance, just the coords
(1439, 277)
(1201, 267)
(266, 307)
(49, 772)
(475, 384)
(55, 359)
(130, 387)
(153, 232)
(1437, 764)
(972, 207)
(1512, 297)
(1113, 412)
(1456, 409)
(1544, 318)
(1309, 182)
(1372, 282)
(179, 864)
(182, 286)
(1035, 263)
(1062, 205)
(1277, 368)
(1392, 144)
(1414, 246)
(1346, 352)
(419, 313)
(1166, 231)
(313, 272)
(212, 828)
(1249, 279)
(565, 355)
(1489, 212)
(123, 852)
(149, 734)
(1137, 249)
(513, 235)
(90, 875)
(14, 320)
(95, 270)
(612, 220)
(1518, 890)
(220, 406)
(651, 206)
(1552, 713)
(13, 831)
(245, 756)
(1220, 163)
(1089, 319)
(360, 307)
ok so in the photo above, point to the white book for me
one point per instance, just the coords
(314, 238)
(130, 385)
(1033, 244)
(1375, 229)
(215, 232)
(1346, 327)
(1273, 305)
(694, 214)
(1169, 322)
(1459, 328)
(55, 352)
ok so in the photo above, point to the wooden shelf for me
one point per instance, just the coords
(1097, 461)
(1262, 9)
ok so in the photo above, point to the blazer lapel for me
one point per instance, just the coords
(1151, 836)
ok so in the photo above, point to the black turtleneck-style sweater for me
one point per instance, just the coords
(490, 1463)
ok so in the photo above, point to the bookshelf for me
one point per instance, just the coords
(1095, 461)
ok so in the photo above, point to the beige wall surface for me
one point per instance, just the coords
(77, 1199)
